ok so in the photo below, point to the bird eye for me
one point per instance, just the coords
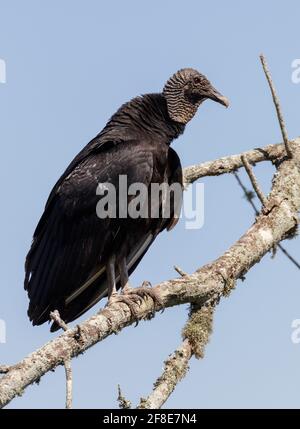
(197, 80)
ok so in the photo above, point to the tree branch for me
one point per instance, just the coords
(196, 334)
(123, 402)
(249, 195)
(69, 383)
(254, 181)
(208, 283)
(277, 106)
(175, 368)
(199, 326)
(180, 271)
(231, 163)
(55, 316)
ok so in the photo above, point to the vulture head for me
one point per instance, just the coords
(185, 91)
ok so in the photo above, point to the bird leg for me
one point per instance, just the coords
(113, 296)
(137, 294)
(126, 288)
(129, 296)
(125, 285)
(111, 278)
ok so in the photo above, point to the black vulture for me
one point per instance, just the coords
(78, 257)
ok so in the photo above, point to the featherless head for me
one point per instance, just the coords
(185, 91)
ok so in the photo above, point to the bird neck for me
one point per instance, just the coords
(147, 114)
(159, 118)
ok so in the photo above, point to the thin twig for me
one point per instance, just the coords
(69, 383)
(277, 106)
(180, 271)
(249, 195)
(254, 181)
(55, 316)
(123, 402)
(286, 253)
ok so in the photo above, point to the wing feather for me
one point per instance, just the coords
(70, 241)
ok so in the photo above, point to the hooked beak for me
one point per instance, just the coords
(214, 95)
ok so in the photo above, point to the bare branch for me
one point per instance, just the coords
(200, 324)
(175, 368)
(277, 106)
(55, 316)
(229, 164)
(207, 283)
(180, 271)
(196, 334)
(69, 383)
(123, 402)
(254, 181)
(249, 197)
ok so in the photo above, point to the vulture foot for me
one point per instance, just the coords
(145, 291)
(125, 299)
(134, 297)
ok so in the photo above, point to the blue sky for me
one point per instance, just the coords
(69, 67)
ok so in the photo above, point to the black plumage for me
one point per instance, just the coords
(76, 258)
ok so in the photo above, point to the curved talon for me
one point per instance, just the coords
(133, 297)
(125, 300)
(145, 292)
